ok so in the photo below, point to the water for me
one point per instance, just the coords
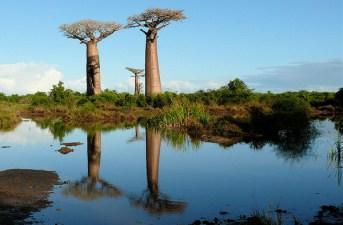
(138, 176)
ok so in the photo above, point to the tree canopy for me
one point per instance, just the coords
(87, 30)
(238, 85)
(155, 18)
(135, 71)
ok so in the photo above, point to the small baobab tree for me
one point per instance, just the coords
(153, 20)
(90, 32)
(137, 73)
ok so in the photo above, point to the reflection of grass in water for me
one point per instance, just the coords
(57, 128)
(335, 159)
(60, 129)
(180, 140)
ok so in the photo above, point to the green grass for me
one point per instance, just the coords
(182, 114)
(9, 117)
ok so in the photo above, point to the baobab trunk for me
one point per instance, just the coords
(153, 146)
(136, 85)
(93, 69)
(94, 153)
(152, 71)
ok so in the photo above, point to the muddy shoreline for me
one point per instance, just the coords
(23, 192)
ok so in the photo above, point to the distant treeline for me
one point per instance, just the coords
(235, 92)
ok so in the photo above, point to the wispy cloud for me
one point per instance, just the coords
(318, 76)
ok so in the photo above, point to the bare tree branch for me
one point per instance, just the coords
(87, 30)
(146, 33)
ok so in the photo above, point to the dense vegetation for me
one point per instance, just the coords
(235, 92)
(232, 110)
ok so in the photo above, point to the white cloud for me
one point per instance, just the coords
(318, 76)
(76, 85)
(125, 86)
(22, 78)
(187, 86)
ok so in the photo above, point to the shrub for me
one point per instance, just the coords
(59, 94)
(141, 101)
(162, 100)
(40, 99)
(339, 97)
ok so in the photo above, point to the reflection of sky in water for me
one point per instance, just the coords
(208, 179)
(26, 133)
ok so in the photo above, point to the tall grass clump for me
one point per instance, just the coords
(8, 117)
(182, 114)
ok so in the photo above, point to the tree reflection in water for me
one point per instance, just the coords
(137, 136)
(289, 144)
(152, 200)
(92, 187)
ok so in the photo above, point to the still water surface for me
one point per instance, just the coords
(138, 176)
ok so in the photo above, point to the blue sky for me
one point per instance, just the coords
(271, 44)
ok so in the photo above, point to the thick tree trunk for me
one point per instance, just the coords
(94, 153)
(153, 146)
(152, 71)
(93, 69)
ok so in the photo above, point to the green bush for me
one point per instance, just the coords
(40, 99)
(141, 101)
(60, 95)
(2, 97)
(339, 97)
(162, 100)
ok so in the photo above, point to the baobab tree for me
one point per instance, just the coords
(90, 33)
(136, 74)
(153, 20)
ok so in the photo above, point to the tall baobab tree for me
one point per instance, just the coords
(90, 33)
(137, 73)
(153, 20)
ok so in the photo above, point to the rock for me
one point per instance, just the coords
(65, 150)
(5, 146)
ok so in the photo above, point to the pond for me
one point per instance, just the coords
(145, 176)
